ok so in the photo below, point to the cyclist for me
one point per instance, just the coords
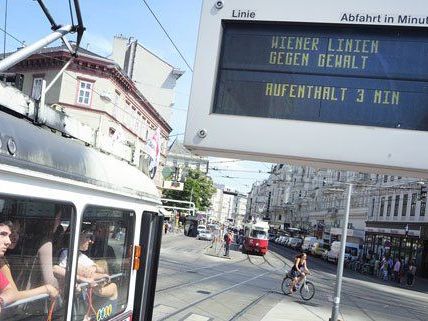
(298, 271)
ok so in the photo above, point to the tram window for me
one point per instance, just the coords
(258, 234)
(31, 233)
(104, 263)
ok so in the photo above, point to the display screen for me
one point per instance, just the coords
(346, 74)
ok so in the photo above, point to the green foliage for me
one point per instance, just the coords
(198, 187)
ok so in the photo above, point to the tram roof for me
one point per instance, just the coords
(39, 150)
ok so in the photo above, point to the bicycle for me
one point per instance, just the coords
(307, 288)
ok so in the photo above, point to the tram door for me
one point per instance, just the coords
(150, 241)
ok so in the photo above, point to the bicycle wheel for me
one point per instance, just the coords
(307, 291)
(285, 286)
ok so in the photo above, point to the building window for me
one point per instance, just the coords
(373, 204)
(413, 204)
(392, 178)
(385, 178)
(279, 217)
(404, 210)
(37, 88)
(382, 206)
(422, 209)
(396, 205)
(388, 207)
(85, 93)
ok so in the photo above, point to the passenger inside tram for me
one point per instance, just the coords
(9, 291)
(101, 250)
(88, 272)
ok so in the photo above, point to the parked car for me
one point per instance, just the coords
(324, 254)
(308, 242)
(204, 235)
(318, 248)
(351, 251)
(284, 240)
(296, 243)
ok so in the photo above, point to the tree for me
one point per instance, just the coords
(198, 188)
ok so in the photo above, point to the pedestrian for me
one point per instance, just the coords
(390, 267)
(227, 242)
(376, 266)
(384, 269)
(411, 274)
(165, 227)
(397, 267)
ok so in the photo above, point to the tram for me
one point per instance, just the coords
(80, 231)
(256, 238)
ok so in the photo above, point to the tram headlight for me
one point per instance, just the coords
(257, 244)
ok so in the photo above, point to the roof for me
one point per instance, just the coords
(52, 154)
(117, 71)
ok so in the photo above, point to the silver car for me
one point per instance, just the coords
(204, 235)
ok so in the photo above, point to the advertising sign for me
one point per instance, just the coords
(317, 83)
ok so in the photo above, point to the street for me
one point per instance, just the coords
(192, 285)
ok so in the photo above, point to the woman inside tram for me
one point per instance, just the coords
(8, 290)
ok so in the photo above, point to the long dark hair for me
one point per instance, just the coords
(299, 256)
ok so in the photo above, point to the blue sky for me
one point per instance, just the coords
(105, 18)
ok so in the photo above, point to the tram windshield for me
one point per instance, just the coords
(259, 234)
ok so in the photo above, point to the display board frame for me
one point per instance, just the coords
(322, 144)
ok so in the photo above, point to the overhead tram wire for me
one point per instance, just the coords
(5, 28)
(166, 33)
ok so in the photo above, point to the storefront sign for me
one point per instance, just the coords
(392, 231)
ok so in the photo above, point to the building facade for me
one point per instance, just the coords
(387, 213)
(95, 91)
(154, 77)
(228, 204)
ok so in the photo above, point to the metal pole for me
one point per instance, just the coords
(336, 299)
(58, 75)
(24, 53)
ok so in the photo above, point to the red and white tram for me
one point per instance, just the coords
(256, 238)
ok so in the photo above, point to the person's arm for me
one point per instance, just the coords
(8, 295)
(44, 289)
(45, 258)
(305, 268)
(296, 264)
(5, 269)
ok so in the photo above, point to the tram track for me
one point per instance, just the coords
(227, 289)
(190, 282)
(195, 282)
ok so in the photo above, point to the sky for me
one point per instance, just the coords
(103, 20)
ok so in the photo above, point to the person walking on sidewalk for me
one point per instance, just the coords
(411, 274)
(227, 241)
(397, 267)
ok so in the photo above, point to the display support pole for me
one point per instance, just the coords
(338, 289)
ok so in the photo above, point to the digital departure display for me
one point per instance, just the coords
(359, 75)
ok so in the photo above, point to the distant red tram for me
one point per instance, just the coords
(256, 238)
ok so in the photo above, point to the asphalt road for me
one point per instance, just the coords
(195, 286)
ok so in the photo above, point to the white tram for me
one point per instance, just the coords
(73, 210)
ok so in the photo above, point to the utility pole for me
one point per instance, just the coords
(338, 289)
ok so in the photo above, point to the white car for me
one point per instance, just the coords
(205, 235)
